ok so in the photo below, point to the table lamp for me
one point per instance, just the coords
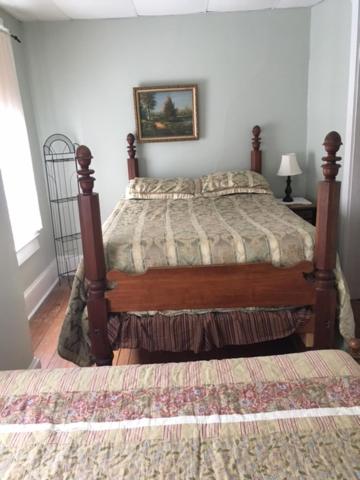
(288, 167)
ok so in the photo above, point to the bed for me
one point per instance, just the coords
(173, 270)
(288, 416)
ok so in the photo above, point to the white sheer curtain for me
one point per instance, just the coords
(15, 156)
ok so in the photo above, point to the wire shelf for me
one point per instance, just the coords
(67, 238)
(63, 190)
(64, 200)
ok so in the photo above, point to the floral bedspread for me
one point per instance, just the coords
(286, 417)
(243, 228)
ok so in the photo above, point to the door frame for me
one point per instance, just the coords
(350, 199)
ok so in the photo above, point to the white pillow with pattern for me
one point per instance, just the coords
(227, 183)
(157, 188)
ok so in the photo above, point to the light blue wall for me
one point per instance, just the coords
(15, 343)
(328, 81)
(251, 67)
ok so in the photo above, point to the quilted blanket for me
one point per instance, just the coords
(287, 417)
(242, 228)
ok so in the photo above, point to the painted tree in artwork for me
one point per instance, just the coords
(170, 111)
(148, 102)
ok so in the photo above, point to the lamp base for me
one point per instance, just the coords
(288, 198)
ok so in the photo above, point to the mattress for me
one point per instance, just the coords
(241, 228)
(290, 416)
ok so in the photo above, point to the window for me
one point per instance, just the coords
(15, 155)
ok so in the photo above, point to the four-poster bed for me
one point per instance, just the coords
(235, 285)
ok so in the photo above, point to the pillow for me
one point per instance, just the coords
(226, 183)
(157, 188)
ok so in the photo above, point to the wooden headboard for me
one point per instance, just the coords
(133, 163)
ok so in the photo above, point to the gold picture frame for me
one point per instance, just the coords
(166, 114)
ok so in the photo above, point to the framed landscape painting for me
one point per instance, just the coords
(166, 113)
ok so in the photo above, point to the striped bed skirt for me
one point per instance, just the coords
(199, 332)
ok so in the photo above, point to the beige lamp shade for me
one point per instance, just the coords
(289, 166)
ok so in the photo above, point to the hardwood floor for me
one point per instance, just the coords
(45, 328)
(46, 324)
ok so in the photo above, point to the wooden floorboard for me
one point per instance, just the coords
(46, 348)
(45, 328)
(123, 357)
(46, 324)
(58, 362)
(45, 316)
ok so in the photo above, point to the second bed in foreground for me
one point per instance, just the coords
(290, 416)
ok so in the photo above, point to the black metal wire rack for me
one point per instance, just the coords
(60, 164)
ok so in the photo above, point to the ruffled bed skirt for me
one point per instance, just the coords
(205, 331)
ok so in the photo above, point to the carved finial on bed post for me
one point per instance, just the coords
(256, 139)
(131, 147)
(133, 169)
(328, 199)
(354, 347)
(83, 157)
(256, 152)
(332, 144)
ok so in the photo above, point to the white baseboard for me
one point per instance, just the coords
(35, 363)
(37, 292)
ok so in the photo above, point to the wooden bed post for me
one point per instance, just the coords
(133, 164)
(94, 260)
(328, 197)
(256, 152)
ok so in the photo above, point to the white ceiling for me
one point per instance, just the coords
(27, 10)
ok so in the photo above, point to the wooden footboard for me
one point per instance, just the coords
(221, 286)
(211, 286)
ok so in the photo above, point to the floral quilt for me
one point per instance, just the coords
(285, 417)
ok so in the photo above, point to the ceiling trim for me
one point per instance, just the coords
(54, 10)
